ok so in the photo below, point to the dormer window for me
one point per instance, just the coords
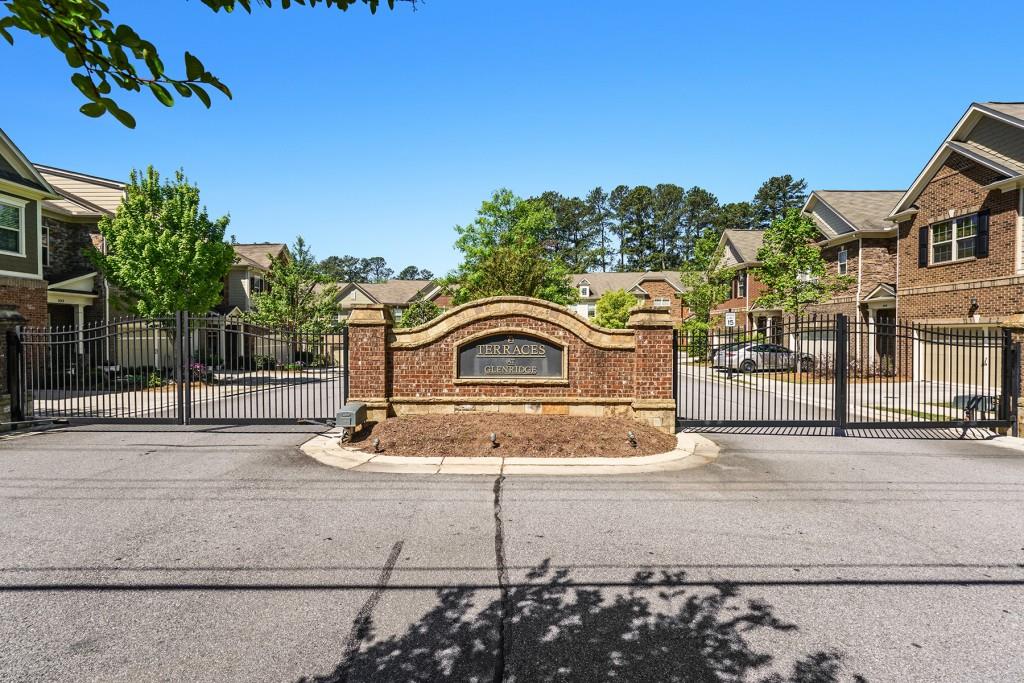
(585, 291)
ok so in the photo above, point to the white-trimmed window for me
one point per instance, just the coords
(12, 226)
(256, 284)
(662, 302)
(591, 310)
(585, 291)
(739, 285)
(842, 258)
(955, 239)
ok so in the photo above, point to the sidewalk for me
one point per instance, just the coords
(692, 450)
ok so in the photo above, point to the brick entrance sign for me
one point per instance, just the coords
(517, 355)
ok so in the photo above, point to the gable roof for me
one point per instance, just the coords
(844, 212)
(16, 168)
(742, 246)
(80, 194)
(395, 292)
(601, 282)
(258, 254)
(989, 133)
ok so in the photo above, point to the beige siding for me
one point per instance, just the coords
(238, 289)
(1003, 140)
(104, 197)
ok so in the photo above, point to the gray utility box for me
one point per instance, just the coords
(351, 415)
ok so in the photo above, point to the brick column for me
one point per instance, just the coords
(369, 375)
(653, 402)
(9, 319)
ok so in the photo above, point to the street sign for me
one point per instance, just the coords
(730, 319)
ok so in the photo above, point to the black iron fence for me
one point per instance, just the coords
(179, 369)
(833, 372)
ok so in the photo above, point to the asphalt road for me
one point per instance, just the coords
(220, 554)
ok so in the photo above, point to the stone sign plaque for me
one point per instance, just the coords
(510, 356)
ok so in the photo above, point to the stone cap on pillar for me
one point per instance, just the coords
(9, 315)
(370, 314)
(646, 318)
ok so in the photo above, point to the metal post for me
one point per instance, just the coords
(841, 374)
(675, 369)
(15, 383)
(179, 371)
(186, 357)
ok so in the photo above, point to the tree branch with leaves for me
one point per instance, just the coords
(105, 55)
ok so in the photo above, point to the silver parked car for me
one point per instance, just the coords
(754, 356)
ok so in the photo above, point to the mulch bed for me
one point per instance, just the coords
(540, 436)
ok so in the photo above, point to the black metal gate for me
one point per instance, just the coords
(181, 369)
(831, 372)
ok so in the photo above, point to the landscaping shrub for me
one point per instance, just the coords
(695, 338)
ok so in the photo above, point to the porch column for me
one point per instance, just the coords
(80, 327)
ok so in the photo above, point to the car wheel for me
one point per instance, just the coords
(748, 366)
(806, 365)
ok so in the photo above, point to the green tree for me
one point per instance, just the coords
(599, 218)
(735, 216)
(376, 269)
(791, 267)
(414, 273)
(574, 237)
(344, 268)
(778, 195)
(419, 312)
(299, 296)
(639, 234)
(669, 211)
(503, 255)
(104, 55)
(705, 278)
(163, 250)
(700, 208)
(613, 309)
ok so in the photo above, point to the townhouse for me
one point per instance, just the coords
(960, 226)
(48, 223)
(248, 274)
(739, 253)
(655, 288)
(397, 294)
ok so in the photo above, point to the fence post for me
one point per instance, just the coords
(842, 370)
(185, 359)
(12, 386)
(675, 368)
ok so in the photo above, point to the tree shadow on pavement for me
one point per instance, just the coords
(551, 629)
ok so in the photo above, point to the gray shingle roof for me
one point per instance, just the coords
(258, 254)
(395, 292)
(863, 209)
(606, 282)
(1014, 109)
(745, 243)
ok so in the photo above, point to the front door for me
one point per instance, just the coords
(885, 336)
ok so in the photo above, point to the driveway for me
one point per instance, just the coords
(221, 554)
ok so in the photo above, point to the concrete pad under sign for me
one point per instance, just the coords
(691, 451)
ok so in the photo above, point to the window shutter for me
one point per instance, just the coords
(981, 243)
(922, 247)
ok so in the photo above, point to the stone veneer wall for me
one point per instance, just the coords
(609, 372)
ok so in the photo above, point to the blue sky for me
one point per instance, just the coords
(375, 135)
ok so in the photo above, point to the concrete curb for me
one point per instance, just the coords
(691, 451)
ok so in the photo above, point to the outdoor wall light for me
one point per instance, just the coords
(974, 302)
(632, 439)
